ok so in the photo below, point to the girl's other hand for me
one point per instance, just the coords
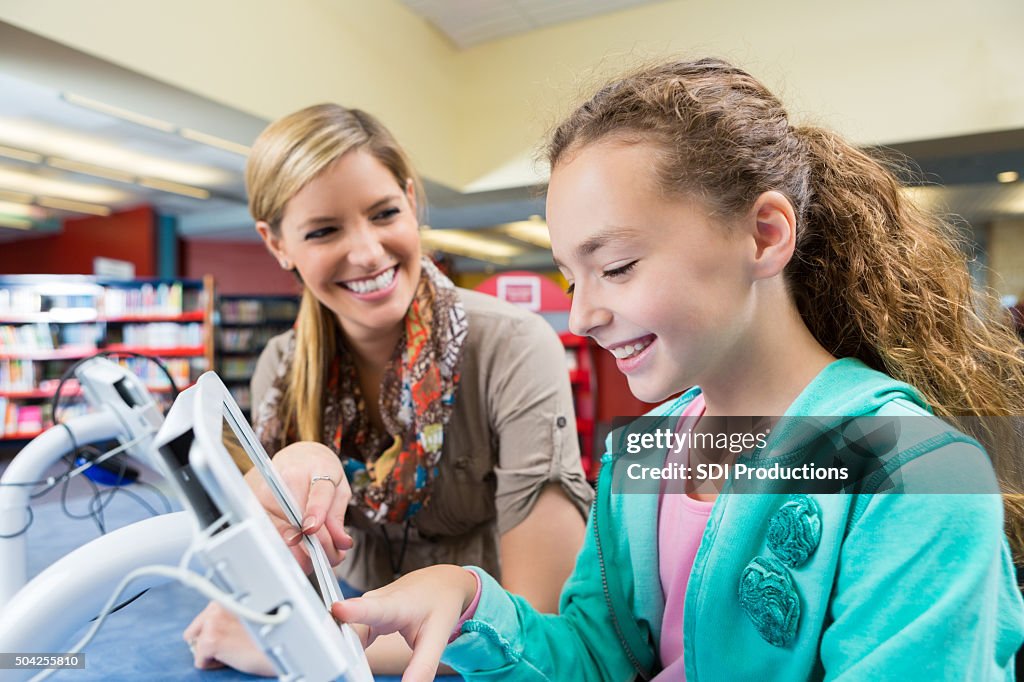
(322, 502)
(423, 607)
(217, 639)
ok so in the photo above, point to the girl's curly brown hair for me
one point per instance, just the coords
(873, 276)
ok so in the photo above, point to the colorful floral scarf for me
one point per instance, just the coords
(391, 473)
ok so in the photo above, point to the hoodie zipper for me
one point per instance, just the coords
(608, 600)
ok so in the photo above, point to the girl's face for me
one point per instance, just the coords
(353, 235)
(655, 280)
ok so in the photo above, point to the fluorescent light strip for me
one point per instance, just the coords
(20, 210)
(16, 197)
(118, 112)
(20, 154)
(15, 223)
(73, 206)
(90, 169)
(529, 231)
(465, 243)
(213, 141)
(175, 188)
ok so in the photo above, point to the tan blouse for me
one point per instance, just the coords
(512, 431)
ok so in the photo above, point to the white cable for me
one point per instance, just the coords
(187, 578)
(203, 536)
(51, 481)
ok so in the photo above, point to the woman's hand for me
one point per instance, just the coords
(217, 639)
(302, 467)
(423, 607)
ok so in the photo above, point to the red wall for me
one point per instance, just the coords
(237, 267)
(128, 236)
(614, 398)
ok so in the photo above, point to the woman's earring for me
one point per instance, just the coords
(286, 265)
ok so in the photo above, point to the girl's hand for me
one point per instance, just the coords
(423, 607)
(217, 639)
(322, 502)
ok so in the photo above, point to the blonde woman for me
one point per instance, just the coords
(450, 411)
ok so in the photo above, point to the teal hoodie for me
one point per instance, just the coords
(897, 586)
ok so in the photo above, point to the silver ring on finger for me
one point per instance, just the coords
(322, 477)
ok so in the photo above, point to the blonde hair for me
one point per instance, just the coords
(286, 156)
(873, 276)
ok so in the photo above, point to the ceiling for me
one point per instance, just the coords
(472, 22)
(47, 135)
(43, 126)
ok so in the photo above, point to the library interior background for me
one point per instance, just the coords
(123, 217)
(125, 126)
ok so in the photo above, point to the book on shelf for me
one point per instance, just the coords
(47, 322)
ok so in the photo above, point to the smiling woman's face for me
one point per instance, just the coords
(353, 236)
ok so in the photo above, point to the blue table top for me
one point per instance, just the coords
(142, 640)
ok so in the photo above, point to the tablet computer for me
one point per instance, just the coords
(238, 544)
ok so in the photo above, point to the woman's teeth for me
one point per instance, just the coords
(368, 286)
(631, 349)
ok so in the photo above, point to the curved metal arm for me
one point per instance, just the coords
(31, 464)
(55, 604)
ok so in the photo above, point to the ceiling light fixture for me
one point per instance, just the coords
(20, 180)
(530, 231)
(20, 154)
(175, 188)
(90, 169)
(16, 197)
(214, 141)
(156, 123)
(21, 210)
(55, 142)
(467, 243)
(1008, 176)
(118, 112)
(73, 206)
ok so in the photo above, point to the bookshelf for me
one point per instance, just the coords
(580, 361)
(245, 324)
(48, 322)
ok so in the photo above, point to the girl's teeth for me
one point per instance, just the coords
(368, 286)
(632, 349)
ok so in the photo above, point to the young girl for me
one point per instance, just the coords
(777, 270)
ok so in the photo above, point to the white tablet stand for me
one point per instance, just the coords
(125, 410)
(242, 551)
(224, 526)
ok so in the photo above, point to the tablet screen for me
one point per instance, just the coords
(242, 444)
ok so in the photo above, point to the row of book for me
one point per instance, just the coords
(27, 338)
(242, 396)
(27, 420)
(109, 301)
(184, 371)
(160, 335)
(233, 369)
(26, 375)
(29, 300)
(244, 339)
(251, 311)
(18, 375)
(149, 299)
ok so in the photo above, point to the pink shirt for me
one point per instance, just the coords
(681, 523)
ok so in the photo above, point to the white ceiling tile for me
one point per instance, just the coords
(472, 22)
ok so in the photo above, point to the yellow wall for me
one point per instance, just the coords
(270, 57)
(1006, 257)
(878, 70)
